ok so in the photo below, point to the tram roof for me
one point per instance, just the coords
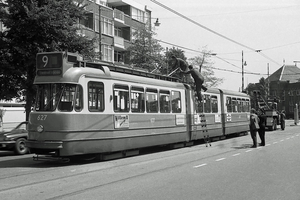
(235, 93)
(73, 74)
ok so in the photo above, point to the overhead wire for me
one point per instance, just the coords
(214, 32)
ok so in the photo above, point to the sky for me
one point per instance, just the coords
(266, 31)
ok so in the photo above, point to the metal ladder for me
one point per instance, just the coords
(204, 130)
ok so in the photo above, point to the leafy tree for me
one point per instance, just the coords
(261, 90)
(203, 63)
(145, 51)
(36, 26)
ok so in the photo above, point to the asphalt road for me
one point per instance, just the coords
(229, 169)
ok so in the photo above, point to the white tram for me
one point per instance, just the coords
(97, 108)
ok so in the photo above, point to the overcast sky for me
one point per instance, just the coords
(272, 26)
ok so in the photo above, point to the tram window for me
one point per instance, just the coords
(247, 105)
(96, 96)
(243, 105)
(214, 104)
(79, 98)
(48, 96)
(207, 104)
(199, 106)
(151, 101)
(164, 101)
(121, 98)
(239, 105)
(137, 100)
(228, 104)
(234, 105)
(66, 101)
(176, 102)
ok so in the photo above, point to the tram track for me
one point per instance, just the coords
(196, 153)
(115, 165)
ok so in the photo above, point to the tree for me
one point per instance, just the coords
(145, 51)
(260, 88)
(203, 63)
(36, 26)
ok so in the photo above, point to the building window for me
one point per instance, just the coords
(138, 15)
(106, 26)
(118, 56)
(97, 23)
(121, 98)
(118, 32)
(88, 22)
(106, 53)
(96, 96)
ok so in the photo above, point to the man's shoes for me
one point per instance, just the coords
(261, 144)
(254, 146)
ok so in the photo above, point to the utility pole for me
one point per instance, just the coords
(268, 87)
(243, 64)
(242, 71)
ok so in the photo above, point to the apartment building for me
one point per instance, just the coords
(113, 23)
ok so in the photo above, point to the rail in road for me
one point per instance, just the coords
(155, 174)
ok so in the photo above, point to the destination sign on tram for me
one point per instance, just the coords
(49, 64)
(46, 61)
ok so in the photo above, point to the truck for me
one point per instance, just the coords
(273, 116)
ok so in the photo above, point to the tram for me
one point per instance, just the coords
(99, 109)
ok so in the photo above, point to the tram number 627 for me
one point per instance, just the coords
(42, 117)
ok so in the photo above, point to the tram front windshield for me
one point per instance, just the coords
(58, 96)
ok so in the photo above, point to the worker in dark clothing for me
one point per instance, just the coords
(182, 65)
(254, 126)
(198, 79)
(262, 126)
(282, 119)
(179, 63)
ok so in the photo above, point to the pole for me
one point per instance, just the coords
(242, 71)
(268, 86)
(296, 116)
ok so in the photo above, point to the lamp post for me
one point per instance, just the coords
(243, 64)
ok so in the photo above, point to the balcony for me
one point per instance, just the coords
(119, 18)
(119, 43)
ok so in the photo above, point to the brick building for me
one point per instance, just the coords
(284, 85)
(113, 22)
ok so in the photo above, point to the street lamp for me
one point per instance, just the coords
(243, 64)
(157, 23)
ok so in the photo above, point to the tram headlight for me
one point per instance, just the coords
(40, 128)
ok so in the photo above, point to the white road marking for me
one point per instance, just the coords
(220, 159)
(281, 140)
(275, 142)
(200, 165)
(249, 150)
(236, 154)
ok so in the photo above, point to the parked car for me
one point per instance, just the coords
(14, 140)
